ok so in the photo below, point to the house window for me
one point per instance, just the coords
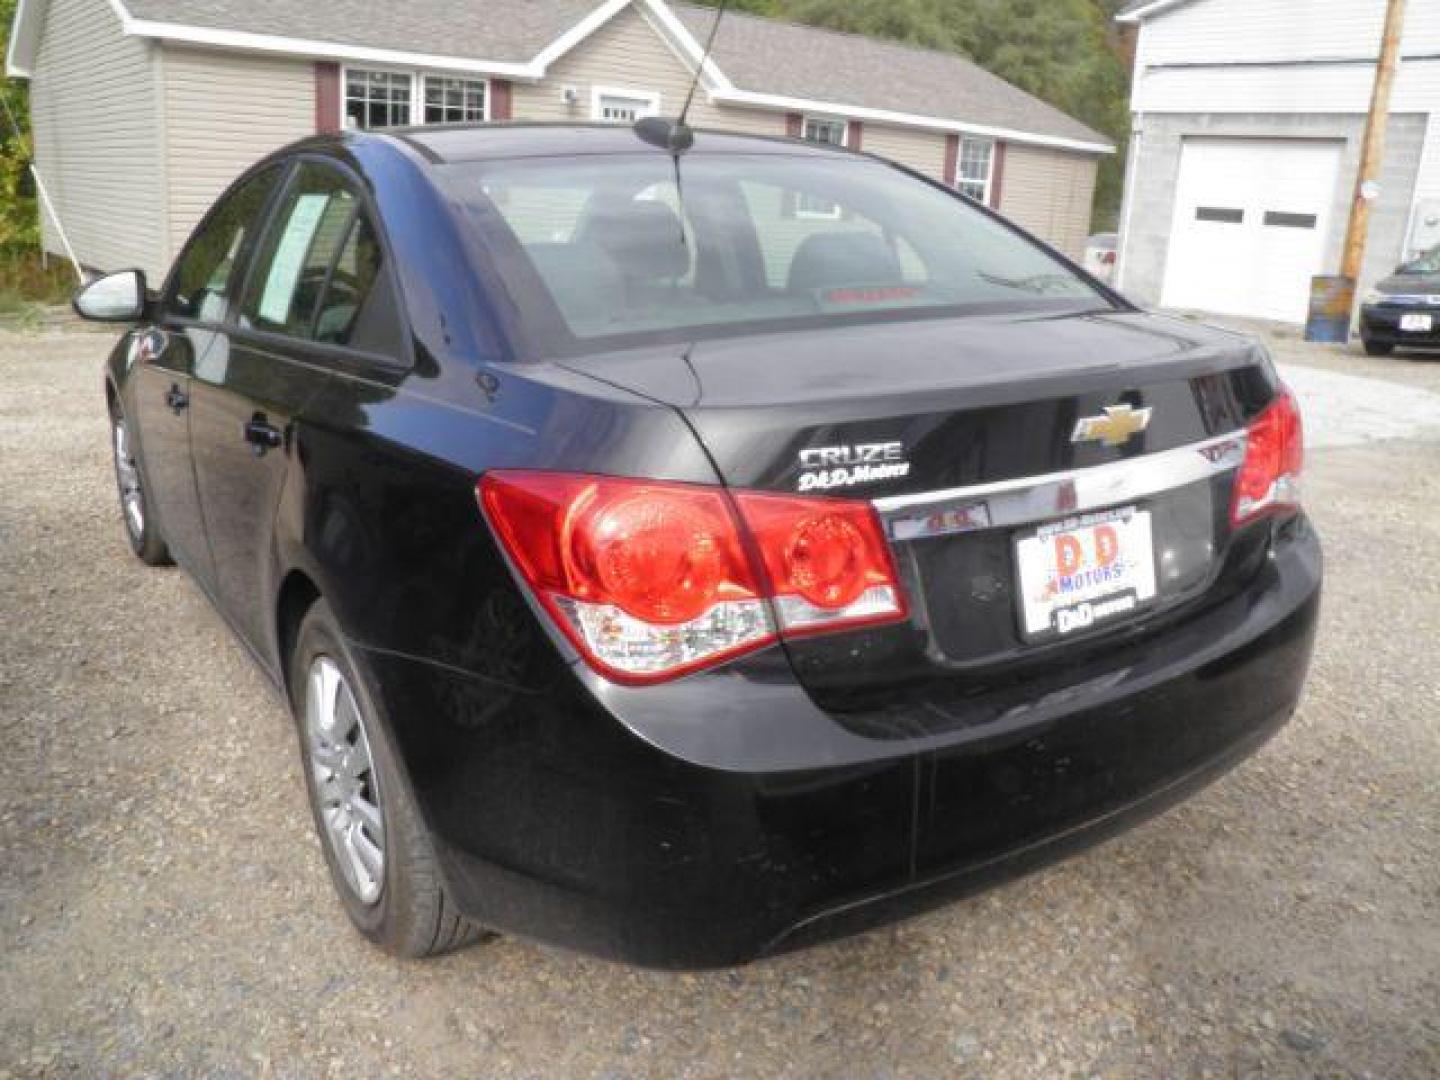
(825, 131)
(832, 133)
(622, 106)
(972, 172)
(453, 101)
(376, 99)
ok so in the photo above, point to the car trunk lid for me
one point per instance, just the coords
(963, 434)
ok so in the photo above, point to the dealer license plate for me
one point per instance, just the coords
(1085, 570)
(1417, 322)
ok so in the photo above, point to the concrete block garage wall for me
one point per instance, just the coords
(1148, 215)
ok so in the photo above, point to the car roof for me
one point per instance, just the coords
(447, 144)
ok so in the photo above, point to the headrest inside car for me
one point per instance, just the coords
(828, 259)
(644, 238)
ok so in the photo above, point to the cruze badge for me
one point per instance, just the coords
(826, 467)
(1114, 428)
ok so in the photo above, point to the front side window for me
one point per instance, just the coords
(205, 272)
(454, 101)
(972, 176)
(643, 248)
(319, 269)
(376, 99)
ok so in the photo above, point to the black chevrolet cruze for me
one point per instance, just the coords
(688, 554)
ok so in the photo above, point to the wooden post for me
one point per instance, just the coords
(1332, 299)
(1372, 153)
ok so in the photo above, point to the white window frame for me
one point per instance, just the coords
(989, 181)
(813, 213)
(417, 89)
(817, 118)
(418, 95)
(599, 93)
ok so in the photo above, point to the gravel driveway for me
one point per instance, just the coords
(164, 908)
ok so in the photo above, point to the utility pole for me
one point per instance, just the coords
(1333, 299)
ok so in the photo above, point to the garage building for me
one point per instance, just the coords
(1248, 119)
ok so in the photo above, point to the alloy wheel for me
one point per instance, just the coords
(127, 477)
(343, 772)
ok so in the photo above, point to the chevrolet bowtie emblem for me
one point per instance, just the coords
(1114, 428)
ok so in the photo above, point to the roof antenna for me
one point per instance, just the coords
(676, 136)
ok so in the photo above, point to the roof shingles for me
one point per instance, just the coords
(757, 54)
(774, 57)
(502, 31)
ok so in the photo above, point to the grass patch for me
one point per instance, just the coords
(29, 285)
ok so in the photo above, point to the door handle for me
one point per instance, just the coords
(176, 398)
(263, 435)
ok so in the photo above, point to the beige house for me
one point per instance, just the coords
(144, 110)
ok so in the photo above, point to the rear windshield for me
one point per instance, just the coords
(644, 246)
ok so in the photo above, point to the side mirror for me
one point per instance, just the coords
(118, 297)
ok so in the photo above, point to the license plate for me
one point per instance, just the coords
(1417, 322)
(1085, 570)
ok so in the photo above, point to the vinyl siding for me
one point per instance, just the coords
(93, 103)
(923, 151)
(1270, 36)
(1049, 192)
(628, 53)
(223, 111)
(1227, 31)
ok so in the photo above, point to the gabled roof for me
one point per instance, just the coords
(757, 62)
(804, 62)
(503, 31)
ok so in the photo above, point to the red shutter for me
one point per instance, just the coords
(997, 174)
(854, 135)
(952, 158)
(499, 99)
(327, 97)
(794, 125)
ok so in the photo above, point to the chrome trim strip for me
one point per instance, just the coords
(1038, 498)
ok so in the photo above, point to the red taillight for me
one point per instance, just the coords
(1269, 479)
(826, 561)
(651, 580)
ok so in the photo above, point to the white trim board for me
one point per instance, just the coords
(1159, 7)
(886, 116)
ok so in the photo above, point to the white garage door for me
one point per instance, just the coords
(1251, 220)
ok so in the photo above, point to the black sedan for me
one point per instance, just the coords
(685, 554)
(1404, 308)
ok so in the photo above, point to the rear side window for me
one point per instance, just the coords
(320, 274)
(205, 279)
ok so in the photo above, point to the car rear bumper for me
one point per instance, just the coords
(579, 818)
(1381, 324)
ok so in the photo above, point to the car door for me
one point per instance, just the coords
(309, 293)
(187, 336)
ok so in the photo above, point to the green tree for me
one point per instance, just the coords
(19, 224)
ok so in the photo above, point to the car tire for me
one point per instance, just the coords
(359, 796)
(136, 514)
(1378, 348)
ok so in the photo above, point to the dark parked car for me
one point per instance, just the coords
(1404, 308)
(688, 556)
